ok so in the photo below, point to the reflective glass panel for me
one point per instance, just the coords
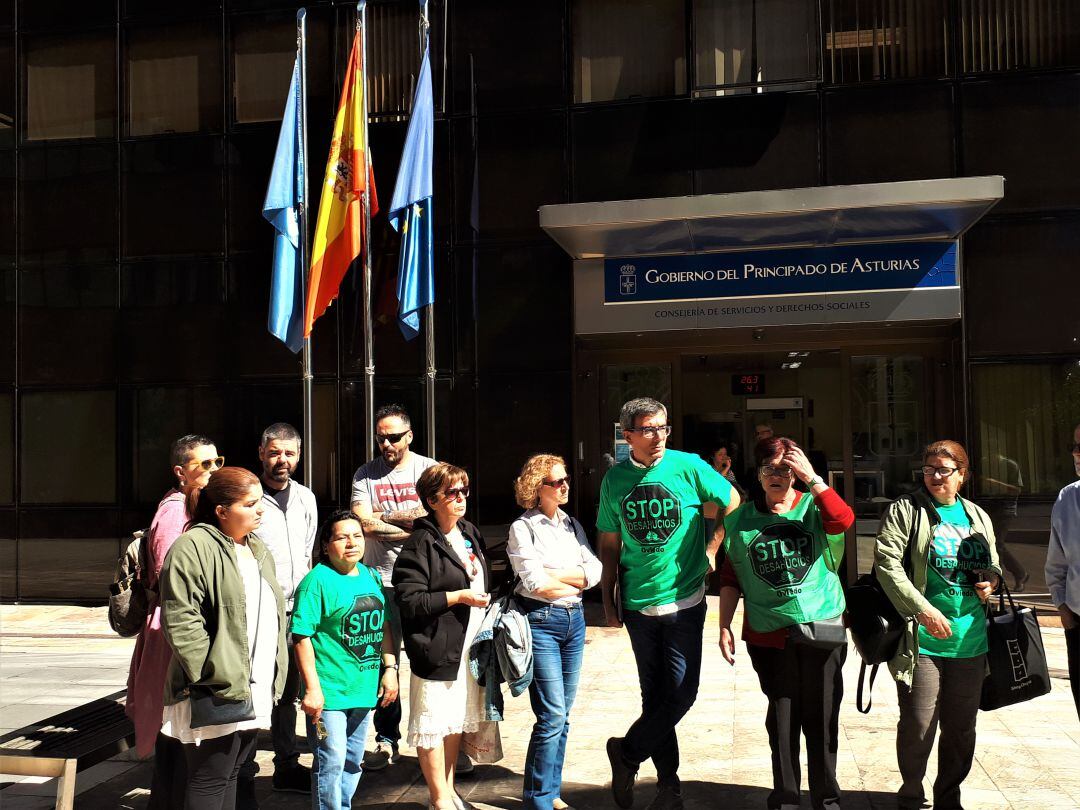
(70, 86)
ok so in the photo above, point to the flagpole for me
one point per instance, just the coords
(369, 341)
(429, 320)
(306, 364)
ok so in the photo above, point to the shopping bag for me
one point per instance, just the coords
(1015, 656)
(483, 745)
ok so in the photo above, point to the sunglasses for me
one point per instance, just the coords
(452, 493)
(210, 464)
(392, 438)
(559, 482)
(769, 470)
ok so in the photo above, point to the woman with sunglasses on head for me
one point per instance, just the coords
(783, 550)
(194, 459)
(937, 561)
(441, 585)
(346, 656)
(224, 618)
(554, 564)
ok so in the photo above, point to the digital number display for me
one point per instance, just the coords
(743, 385)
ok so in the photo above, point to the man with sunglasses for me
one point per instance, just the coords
(289, 522)
(385, 501)
(1063, 566)
(653, 547)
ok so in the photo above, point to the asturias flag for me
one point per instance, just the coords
(339, 233)
(410, 210)
(283, 196)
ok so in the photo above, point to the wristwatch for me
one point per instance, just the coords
(813, 482)
(390, 666)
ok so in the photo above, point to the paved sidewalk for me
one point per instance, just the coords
(52, 658)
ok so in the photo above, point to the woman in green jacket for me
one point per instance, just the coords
(935, 557)
(224, 617)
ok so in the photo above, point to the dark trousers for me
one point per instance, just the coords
(213, 767)
(170, 774)
(387, 720)
(945, 692)
(805, 687)
(1072, 645)
(667, 650)
(282, 725)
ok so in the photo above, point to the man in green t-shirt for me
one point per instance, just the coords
(653, 546)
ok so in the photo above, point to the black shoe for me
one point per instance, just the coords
(622, 774)
(668, 797)
(245, 794)
(294, 779)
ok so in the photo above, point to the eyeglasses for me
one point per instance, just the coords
(651, 432)
(452, 493)
(944, 472)
(558, 482)
(782, 471)
(210, 464)
(392, 438)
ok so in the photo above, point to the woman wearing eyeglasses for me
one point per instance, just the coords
(936, 559)
(554, 564)
(194, 459)
(783, 550)
(441, 585)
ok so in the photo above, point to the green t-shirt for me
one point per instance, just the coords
(343, 616)
(786, 565)
(955, 555)
(657, 512)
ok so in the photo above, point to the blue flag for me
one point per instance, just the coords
(283, 196)
(410, 210)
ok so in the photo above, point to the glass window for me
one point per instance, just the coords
(76, 464)
(628, 49)
(54, 13)
(1026, 131)
(263, 53)
(7, 92)
(868, 40)
(172, 323)
(7, 324)
(173, 197)
(70, 86)
(66, 555)
(509, 71)
(7, 446)
(160, 416)
(61, 308)
(632, 151)
(7, 208)
(72, 185)
(152, 8)
(1025, 412)
(174, 79)
(743, 46)
(251, 157)
(857, 117)
(754, 142)
(393, 57)
(1018, 35)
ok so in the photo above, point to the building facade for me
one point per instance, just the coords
(136, 140)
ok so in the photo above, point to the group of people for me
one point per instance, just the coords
(255, 607)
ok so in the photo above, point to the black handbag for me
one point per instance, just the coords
(1015, 655)
(207, 709)
(823, 634)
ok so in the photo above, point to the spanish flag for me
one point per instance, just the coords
(339, 233)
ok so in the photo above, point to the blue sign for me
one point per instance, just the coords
(791, 271)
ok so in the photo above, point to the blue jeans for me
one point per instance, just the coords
(667, 650)
(388, 719)
(558, 640)
(337, 763)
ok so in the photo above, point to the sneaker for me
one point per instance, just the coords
(558, 804)
(294, 779)
(668, 797)
(622, 774)
(464, 764)
(245, 794)
(383, 754)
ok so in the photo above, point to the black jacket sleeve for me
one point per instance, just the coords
(412, 578)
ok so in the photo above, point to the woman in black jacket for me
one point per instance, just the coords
(440, 583)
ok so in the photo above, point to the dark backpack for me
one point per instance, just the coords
(129, 597)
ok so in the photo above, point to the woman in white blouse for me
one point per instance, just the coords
(553, 564)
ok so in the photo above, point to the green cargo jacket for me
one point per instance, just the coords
(204, 615)
(906, 593)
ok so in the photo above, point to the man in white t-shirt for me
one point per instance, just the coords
(384, 499)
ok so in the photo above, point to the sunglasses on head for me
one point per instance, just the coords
(210, 463)
(452, 493)
(393, 438)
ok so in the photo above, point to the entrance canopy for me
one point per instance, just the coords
(916, 210)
